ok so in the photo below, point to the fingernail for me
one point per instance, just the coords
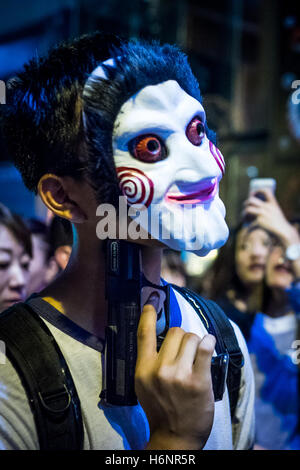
(153, 299)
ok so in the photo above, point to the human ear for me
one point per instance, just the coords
(55, 193)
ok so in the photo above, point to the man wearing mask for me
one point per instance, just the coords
(137, 129)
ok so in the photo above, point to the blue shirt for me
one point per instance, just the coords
(276, 376)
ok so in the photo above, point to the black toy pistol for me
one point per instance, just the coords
(124, 283)
(123, 293)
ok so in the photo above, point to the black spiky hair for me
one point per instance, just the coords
(42, 123)
(137, 64)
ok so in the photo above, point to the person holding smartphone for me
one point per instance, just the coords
(235, 279)
(275, 330)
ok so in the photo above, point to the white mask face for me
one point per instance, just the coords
(165, 162)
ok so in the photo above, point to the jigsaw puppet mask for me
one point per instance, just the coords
(148, 137)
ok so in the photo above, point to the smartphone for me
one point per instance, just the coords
(254, 190)
(261, 183)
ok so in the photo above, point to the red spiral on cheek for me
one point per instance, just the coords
(129, 187)
(135, 185)
(217, 156)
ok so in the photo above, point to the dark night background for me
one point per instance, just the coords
(245, 54)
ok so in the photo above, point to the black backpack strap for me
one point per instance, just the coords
(218, 324)
(45, 376)
(236, 360)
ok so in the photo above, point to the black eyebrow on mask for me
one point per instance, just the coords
(161, 129)
(127, 137)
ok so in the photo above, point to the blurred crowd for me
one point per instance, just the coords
(255, 278)
(32, 254)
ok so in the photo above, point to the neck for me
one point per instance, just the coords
(279, 304)
(255, 298)
(151, 267)
(250, 300)
(79, 292)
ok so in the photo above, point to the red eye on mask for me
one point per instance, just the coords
(195, 131)
(147, 148)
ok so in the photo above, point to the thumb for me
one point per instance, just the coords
(153, 300)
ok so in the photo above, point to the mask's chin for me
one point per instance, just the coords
(197, 228)
(194, 245)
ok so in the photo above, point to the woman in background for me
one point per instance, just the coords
(15, 256)
(273, 333)
(235, 281)
(255, 279)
